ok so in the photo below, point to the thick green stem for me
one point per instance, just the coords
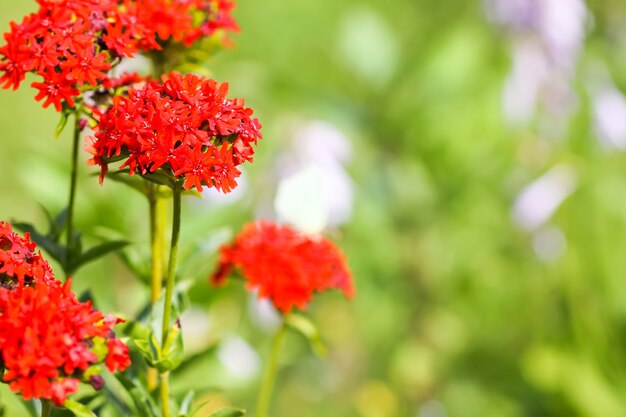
(269, 376)
(157, 237)
(171, 266)
(156, 242)
(46, 408)
(165, 394)
(169, 293)
(72, 197)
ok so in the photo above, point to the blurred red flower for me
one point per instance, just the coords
(284, 265)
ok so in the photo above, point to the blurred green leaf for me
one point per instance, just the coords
(78, 409)
(144, 404)
(96, 252)
(228, 412)
(172, 353)
(62, 123)
(307, 328)
(185, 405)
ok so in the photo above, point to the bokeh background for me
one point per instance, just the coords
(468, 156)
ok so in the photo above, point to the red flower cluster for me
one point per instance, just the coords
(19, 263)
(49, 340)
(284, 264)
(183, 21)
(74, 43)
(185, 126)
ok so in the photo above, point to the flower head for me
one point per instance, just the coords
(184, 126)
(73, 44)
(19, 263)
(49, 340)
(284, 265)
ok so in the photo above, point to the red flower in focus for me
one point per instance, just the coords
(284, 265)
(48, 338)
(75, 43)
(19, 263)
(185, 126)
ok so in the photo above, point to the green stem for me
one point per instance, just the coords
(46, 408)
(169, 293)
(156, 242)
(269, 375)
(165, 394)
(72, 197)
(171, 267)
(157, 237)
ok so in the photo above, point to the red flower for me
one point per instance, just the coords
(19, 263)
(73, 43)
(284, 265)
(56, 89)
(184, 126)
(48, 338)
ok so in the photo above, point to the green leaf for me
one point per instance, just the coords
(173, 352)
(30, 406)
(98, 252)
(228, 412)
(159, 178)
(185, 405)
(144, 403)
(78, 409)
(308, 329)
(55, 224)
(149, 349)
(61, 125)
(136, 263)
(85, 296)
(133, 181)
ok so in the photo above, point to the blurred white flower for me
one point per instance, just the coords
(212, 196)
(300, 200)
(315, 191)
(239, 358)
(538, 201)
(549, 243)
(196, 329)
(263, 313)
(609, 111)
(432, 408)
(546, 39)
(521, 89)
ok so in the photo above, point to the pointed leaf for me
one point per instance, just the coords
(149, 349)
(144, 403)
(98, 251)
(185, 405)
(134, 261)
(60, 220)
(54, 230)
(307, 328)
(61, 125)
(229, 412)
(133, 181)
(78, 409)
(173, 352)
(30, 406)
(85, 296)
(158, 178)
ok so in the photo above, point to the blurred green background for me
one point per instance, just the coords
(475, 157)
